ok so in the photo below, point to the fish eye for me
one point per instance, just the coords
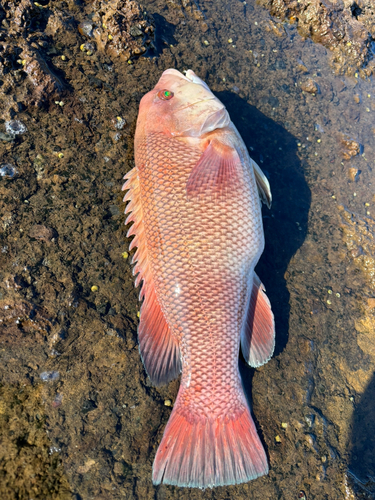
(165, 95)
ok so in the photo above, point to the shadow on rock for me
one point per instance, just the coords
(362, 443)
(164, 35)
(285, 225)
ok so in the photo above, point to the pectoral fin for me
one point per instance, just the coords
(263, 184)
(258, 332)
(216, 173)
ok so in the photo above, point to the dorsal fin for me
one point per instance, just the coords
(158, 346)
(263, 184)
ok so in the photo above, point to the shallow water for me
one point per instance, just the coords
(78, 416)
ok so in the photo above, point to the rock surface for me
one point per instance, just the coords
(345, 27)
(33, 67)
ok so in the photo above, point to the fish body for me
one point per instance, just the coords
(194, 200)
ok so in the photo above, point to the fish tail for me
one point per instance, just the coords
(199, 452)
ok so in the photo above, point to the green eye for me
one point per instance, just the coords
(165, 95)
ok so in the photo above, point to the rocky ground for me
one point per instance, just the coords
(78, 416)
(345, 27)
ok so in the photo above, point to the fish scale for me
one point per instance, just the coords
(198, 228)
(165, 223)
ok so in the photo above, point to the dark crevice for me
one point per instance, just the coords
(356, 10)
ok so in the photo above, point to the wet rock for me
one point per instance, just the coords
(30, 36)
(7, 170)
(15, 127)
(356, 252)
(88, 406)
(350, 147)
(44, 233)
(59, 23)
(23, 13)
(45, 83)
(280, 64)
(50, 376)
(6, 137)
(301, 66)
(120, 28)
(352, 113)
(21, 322)
(28, 461)
(358, 235)
(310, 86)
(114, 209)
(277, 28)
(353, 174)
(188, 8)
(86, 28)
(348, 32)
(83, 469)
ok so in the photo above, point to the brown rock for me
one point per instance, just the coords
(85, 28)
(122, 28)
(350, 148)
(332, 24)
(45, 83)
(356, 252)
(22, 14)
(353, 174)
(22, 321)
(301, 66)
(310, 86)
(352, 113)
(41, 232)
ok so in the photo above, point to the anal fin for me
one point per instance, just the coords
(258, 332)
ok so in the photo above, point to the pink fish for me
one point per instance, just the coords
(194, 197)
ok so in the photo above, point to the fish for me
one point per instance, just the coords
(194, 201)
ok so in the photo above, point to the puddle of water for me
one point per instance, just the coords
(68, 308)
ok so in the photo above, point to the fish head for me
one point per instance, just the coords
(182, 105)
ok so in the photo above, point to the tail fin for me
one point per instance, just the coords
(202, 453)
